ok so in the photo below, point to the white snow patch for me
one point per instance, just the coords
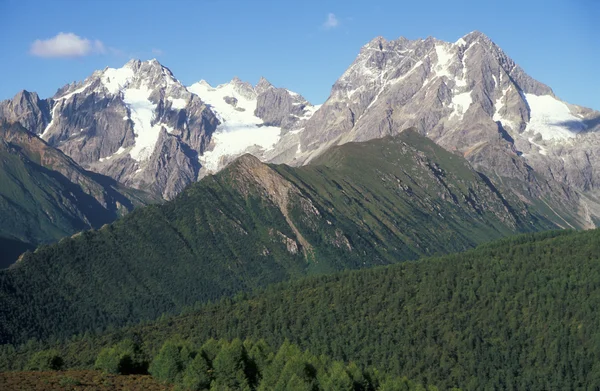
(551, 118)
(115, 79)
(460, 104)
(142, 113)
(177, 103)
(119, 151)
(461, 82)
(125, 118)
(239, 129)
(541, 148)
(443, 57)
(310, 111)
(461, 42)
(236, 141)
(498, 106)
(53, 114)
(70, 94)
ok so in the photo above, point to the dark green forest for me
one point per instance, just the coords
(363, 205)
(515, 314)
(45, 195)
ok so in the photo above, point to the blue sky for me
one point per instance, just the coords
(301, 45)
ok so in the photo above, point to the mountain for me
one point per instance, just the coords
(252, 224)
(469, 97)
(513, 314)
(45, 195)
(139, 125)
(252, 119)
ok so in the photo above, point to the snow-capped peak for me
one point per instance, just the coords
(117, 79)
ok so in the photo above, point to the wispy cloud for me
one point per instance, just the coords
(157, 52)
(331, 22)
(66, 45)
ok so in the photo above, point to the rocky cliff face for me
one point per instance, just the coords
(469, 97)
(141, 126)
(462, 95)
(27, 109)
(118, 120)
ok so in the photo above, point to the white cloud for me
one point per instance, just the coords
(331, 22)
(157, 52)
(66, 45)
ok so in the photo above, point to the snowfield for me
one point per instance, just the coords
(551, 118)
(239, 130)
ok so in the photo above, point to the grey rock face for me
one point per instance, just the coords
(279, 107)
(469, 97)
(172, 166)
(112, 123)
(27, 109)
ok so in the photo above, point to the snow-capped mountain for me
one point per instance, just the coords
(137, 124)
(141, 126)
(460, 94)
(252, 119)
(469, 97)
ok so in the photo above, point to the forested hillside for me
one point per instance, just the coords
(45, 196)
(366, 204)
(519, 313)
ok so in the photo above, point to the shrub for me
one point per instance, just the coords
(170, 362)
(117, 359)
(45, 360)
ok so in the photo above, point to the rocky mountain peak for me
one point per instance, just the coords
(377, 43)
(243, 88)
(262, 85)
(476, 36)
(468, 96)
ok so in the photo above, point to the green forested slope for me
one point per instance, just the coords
(368, 204)
(520, 313)
(44, 195)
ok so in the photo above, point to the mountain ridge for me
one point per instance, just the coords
(253, 224)
(141, 126)
(45, 195)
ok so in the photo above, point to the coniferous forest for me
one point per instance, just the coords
(518, 313)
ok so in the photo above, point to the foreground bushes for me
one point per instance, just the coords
(248, 365)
